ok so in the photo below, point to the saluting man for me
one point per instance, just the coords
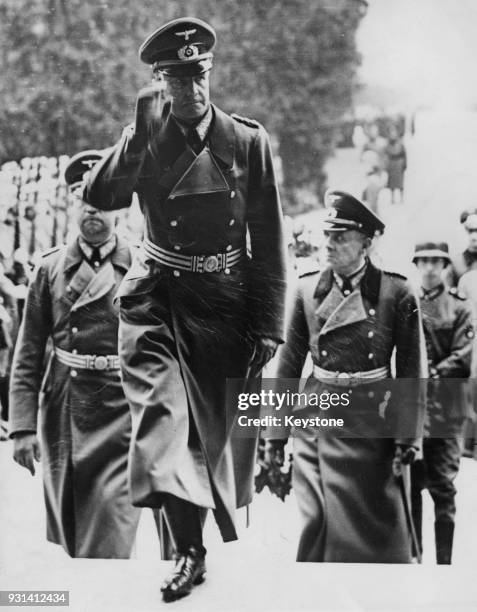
(352, 316)
(448, 326)
(195, 309)
(85, 419)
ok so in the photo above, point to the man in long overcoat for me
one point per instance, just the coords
(351, 316)
(84, 415)
(196, 308)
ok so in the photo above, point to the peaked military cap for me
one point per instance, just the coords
(348, 213)
(431, 249)
(79, 164)
(181, 47)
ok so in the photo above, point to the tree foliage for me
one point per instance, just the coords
(71, 72)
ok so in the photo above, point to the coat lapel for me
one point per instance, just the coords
(349, 310)
(99, 284)
(175, 162)
(336, 310)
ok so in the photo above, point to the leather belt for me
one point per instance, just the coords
(350, 378)
(194, 263)
(87, 362)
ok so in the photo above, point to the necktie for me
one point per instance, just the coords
(347, 287)
(193, 140)
(95, 259)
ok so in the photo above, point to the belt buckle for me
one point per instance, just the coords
(344, 376)
(100, 362)
(211, 263)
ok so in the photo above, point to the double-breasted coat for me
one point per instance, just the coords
(84, 415)
(346, 492)
(183, 333)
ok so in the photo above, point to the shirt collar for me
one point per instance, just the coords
(432, 294)
(202, 127)
(105, 249)
(355, 277)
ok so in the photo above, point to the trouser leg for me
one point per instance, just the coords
(185, 523)
(443, 457)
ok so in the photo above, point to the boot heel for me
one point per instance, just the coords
(200, 579)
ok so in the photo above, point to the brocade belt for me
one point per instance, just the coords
(348, 379)
(194, 263)
(87, 362)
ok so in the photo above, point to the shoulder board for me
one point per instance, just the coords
(246, 120)
(396, 274)
(456, 293)
(51, 251)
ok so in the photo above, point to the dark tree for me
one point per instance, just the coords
(70, 73)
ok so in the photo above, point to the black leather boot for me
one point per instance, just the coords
(185, 524)
(189, 570)
(444, 533)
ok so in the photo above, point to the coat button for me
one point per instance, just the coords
(229, 247)
(177, 247)
(346, 292)
(75, 351)
(372, 312)
(74, 373)
(232, 195)
(232, 222)
(69, 289)
(324, 353)
(370, 334)
(227, 271)
(173, 223)
(371, 394)
(96, 264)
(176, 273)
(371, 355)
(74, 330)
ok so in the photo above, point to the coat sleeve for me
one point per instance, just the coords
(291, 358)
(267, 271)
(411, 365)
(292, 355)
(457, 363)
(113, 179)
(28, 361)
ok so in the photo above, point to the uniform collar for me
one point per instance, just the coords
(105, 249)
(370, 283)
(120, 256)
(169, 142)
(432, 294)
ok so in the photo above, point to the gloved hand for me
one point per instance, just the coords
(265, 349)
(26, 447)
(274, 454)
(148, 106)
(404, 454)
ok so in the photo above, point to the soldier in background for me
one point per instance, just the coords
(449, 332)
(85, 419)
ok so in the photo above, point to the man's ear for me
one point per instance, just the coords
(367, 242)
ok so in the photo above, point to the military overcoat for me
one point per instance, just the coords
(84, 415)
(345, 488)
(183, 333)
